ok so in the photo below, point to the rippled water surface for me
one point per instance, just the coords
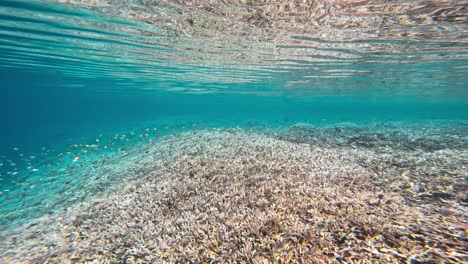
(101, 97)
(384, 48)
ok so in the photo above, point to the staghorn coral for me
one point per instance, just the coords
(230, 196)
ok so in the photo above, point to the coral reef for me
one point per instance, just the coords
(238, 197)
(385, 137)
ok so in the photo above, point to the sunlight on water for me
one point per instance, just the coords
(371, 47)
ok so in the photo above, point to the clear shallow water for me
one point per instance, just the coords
(89, 86)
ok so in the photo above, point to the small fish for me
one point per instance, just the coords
(76, 158)
(34, 170)
(15, 149)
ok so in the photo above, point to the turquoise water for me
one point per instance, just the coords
(88, 86)
(68, 71)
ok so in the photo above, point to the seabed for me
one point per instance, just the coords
(342, 194)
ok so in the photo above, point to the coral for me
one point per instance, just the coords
(238, 197)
